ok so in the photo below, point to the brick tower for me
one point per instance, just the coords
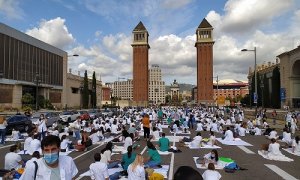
(140, 65)
(204, 44)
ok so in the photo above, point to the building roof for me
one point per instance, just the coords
(204, 24)
(140, 27)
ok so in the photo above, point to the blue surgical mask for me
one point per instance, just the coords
(51, 158)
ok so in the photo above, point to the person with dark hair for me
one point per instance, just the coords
(196, 143)
(187, 173)
(99, 170)
(106, 156)
(128, 140)
(211, 173)
(51, 166)
(155, 134)
(154, 158)
(211, 157)
(12, 159)
(35, 144)
(35, 156)
(228, 136)
(146, 126)
(163, 143)
(296, 145)
(42, 127)
(128, 158)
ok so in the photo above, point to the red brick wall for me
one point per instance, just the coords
(140, 73)
(204, 71)
(105, 94)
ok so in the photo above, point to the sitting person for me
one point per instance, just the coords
(228, 136)
(98, 170)
(27, 142)
(211, 157)
(273, 149)
(127, 159)
(273, 134)
(65, 144)
(267, 131)
(296, 145)
(257, 131)
(196, 142)
(211, 173)
(242, 131)
(199, 127)
(106, 156)
(287, 137)
(163, 143)
(136, 170)
(174, 128)
(159, 126)
(12, 160)
(212, 139)
(15, 135)
(155, 134)
(35, 144)
(153, 159)
(128, 140)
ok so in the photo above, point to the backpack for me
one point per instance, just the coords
(231, 167)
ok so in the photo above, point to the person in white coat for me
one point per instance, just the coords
(99, 170)
(136, 169)
(211, 173)
(42, 127)
(196, 142)
(52, 166)
(228, 136)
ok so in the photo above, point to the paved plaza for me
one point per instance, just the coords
(245, 156)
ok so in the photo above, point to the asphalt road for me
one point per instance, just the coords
(255, 164)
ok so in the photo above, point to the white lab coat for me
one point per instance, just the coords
(67, 169)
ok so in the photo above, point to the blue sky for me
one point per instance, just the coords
(100, 32)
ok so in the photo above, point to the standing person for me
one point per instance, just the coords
(211, 173)
(146, 126)
(12, 159)
(190, 122)
(42, 128)
(3, 125)
(153, 156)
(136, 169)
(51, 166)
(274, 115)
(77, 127)
(99, 170)
(288, 119)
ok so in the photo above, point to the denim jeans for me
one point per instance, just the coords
(115, 176)
(2, 134)
(77, 134)
(151, 164)
(113, 164)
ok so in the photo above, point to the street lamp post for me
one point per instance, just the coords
(80, 91)
(255, 75)
(37, 81)
(262, 91)
(217, 88)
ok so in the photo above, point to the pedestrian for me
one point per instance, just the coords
(42, 128)
(146, 126)
(274, 115)
(51, 166)
(3, 125)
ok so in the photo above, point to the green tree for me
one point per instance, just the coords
(246, 100)
(41, 101)
(94, 90)
(27, 99)
(85, 91)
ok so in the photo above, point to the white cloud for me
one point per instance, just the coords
(243, 16)
(11, 9)
(54, 32)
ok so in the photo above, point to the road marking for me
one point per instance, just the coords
(80, 177)
(248, 151)
(7, 146)
(144, 150)
(280, 172)
(88, 151)
(171, 167)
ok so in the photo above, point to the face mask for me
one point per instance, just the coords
(51, 158)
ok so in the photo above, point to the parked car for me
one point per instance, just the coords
(69, 116)
(84, 115)
(94, 113)
(19, 122)
(107, 112)
(52, 117)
